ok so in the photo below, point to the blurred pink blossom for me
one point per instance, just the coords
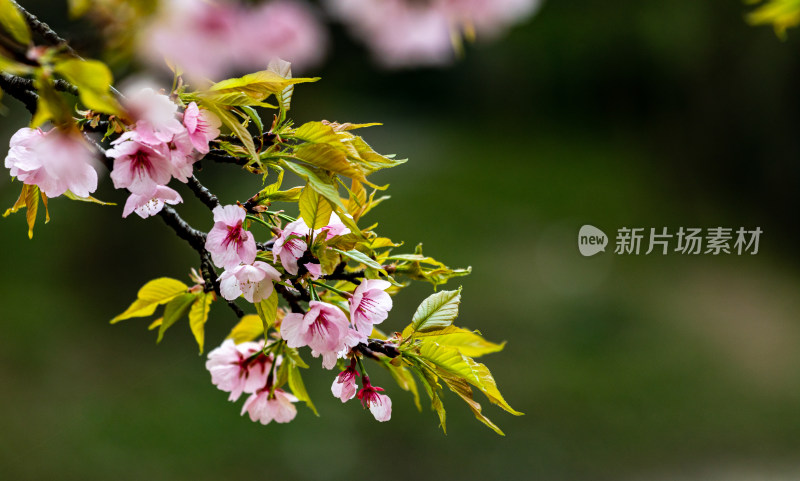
(147, 205)
(284, 29)
(405, 33)
(211, 39)
(56, 161)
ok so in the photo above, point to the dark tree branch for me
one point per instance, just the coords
(17, 88)
(291, 298)
(373, 347)
(202, 193)
(44, 30)
(221, 156)
(197, 240)
(339, 274)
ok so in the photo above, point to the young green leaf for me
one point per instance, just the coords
(14, 23)
(469, 343)
(93, 79)
(436, 312)
(175, 309)
(267, 310)
(198, 315)
(298, 388)
(361, 258)
(150, 296)
(315, 209)
(249, 328)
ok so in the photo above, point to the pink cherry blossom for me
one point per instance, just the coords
(344, 386)
(370, 305)
(202, 127)
(314, 269)
(182, 156)
(263, 409)
(254, 281)
(281, 29)
(228, 242)
(291, 245)
(324, 328)
(147, 205)
(239, 368)
(335, 227)
(380, 405)
(155, 116)
(56, 161)
(490, 17)
(139, 167)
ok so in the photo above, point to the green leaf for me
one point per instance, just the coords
(14, 23)
(71, 196)
(175, 309)
(29, 199)
(362, 258)
(315, 179)
(93, 79)
(267, 310)
(468, 343)
(230, 121)
(404, 379)
(198, 315)
(256, 86)
(249, 328)
(253, 114)
(450, 360)
(330, 158)
(151, 295)
(314, 209)
(294, 355)
(298, 388)
(436, 312)
(51, 105)
(463, 390)
(78, 8)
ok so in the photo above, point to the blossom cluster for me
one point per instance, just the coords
(324, 327)
(157, 148)
(210, 39)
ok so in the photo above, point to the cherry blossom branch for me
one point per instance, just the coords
(291, 298)
(222, 157)
(201, 192)
(197, 240)
(44, 30)
(17, 88)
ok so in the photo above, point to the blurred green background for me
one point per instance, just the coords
(640, 114)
